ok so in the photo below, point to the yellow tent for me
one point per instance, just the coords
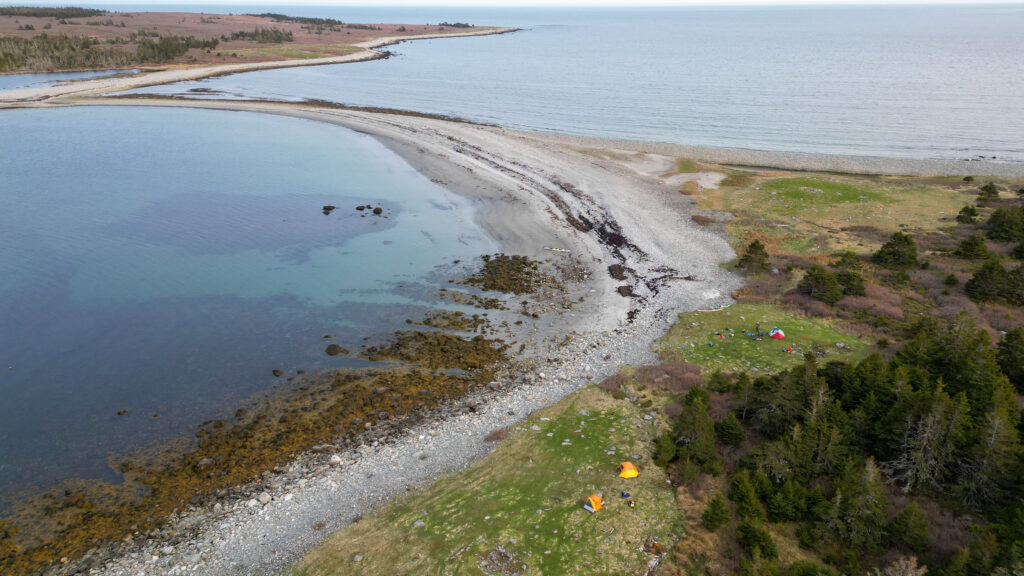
(627, 470)
(594, 503)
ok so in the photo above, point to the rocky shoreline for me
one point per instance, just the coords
(538, 199)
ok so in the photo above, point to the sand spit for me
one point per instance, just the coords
(875, 165)
(106, 85)
(533, 195)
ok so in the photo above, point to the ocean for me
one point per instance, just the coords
(903, 81)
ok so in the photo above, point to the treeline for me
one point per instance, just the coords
(46, 52)
(939, 420)
(455, 25)
(262, 35)
(39, 12)
(324, 22)
(167, 48)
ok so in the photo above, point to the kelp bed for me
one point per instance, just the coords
(422, 371)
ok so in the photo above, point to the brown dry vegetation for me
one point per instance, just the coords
(308, 42)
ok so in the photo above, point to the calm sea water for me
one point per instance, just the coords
(165, 261)
(919, 82)
(19, 81)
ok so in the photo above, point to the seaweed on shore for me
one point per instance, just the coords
(509, 274)
(340, 407)
(438, 350)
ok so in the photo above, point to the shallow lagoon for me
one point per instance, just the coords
(164, 261)
(20, 81)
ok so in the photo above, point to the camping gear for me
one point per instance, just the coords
(625, 494)
(632, 504)
(777, 334)
(628, 470)
(594, 503)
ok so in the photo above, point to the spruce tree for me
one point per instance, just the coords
(741, 491)
(730, 431)
(694, 431)
(973, 247)
(1006, 224)
(755, 259)
(909, 529)
(716, 514)
(1010, 356)
(968, 215)
(821, 284)
(751, 535)
(898, 253)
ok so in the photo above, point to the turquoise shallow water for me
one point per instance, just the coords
(902, 81)
(165, 261)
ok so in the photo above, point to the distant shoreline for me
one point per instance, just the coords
(164, 75)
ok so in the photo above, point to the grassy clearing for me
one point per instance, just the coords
(689, 339)
(684, 166)
(294, 52)
(520, 509)
(816, 215)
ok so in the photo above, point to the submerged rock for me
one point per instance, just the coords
(276, 372)
(333, 350)
(378, 210)
(328, 209)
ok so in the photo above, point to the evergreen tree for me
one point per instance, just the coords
(973, 247)
(993, 282)
(968, 215)
(898, 253)
(926, 456)
(730, 431)
(821, 284)
(716, 514)
(1006, 224)
(756, 565)
(755, 259)
(664, 450)
(990, 464)
(1018, 250)
(909, 529)
(988, 192)
(694, 431)
(741, 491)
(847, 260)
(751, 535)
(859, 506)
(789, 503)
(852, 283)
(959, 354)
(1010, 356)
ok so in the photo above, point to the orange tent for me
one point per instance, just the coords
(594, 503)
(628, 470)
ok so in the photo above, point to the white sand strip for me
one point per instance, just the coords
(106, 85)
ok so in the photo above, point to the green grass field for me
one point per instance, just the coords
(689, 339)
(520, 509)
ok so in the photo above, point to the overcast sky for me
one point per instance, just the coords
(485, 3)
